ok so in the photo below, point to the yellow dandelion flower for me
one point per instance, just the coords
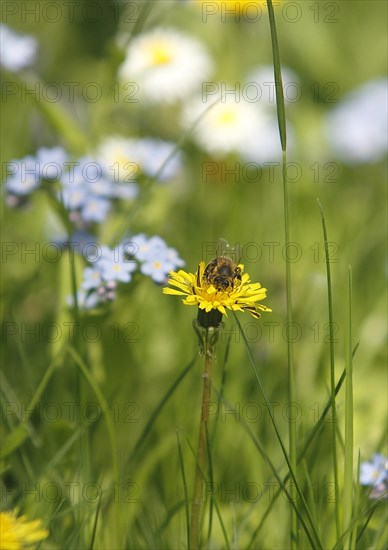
(18, 532)
(218, 287)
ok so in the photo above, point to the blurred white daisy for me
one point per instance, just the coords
(266, 147)
(124, 159)
(357, 127)
(17, 51)
(166, 64)
(227, 126)
(119, 158)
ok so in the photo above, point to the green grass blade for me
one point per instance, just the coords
(281, 111)
(43, 384)
(332, 375)
(145, 10)
(85, 447)
(157, 410)
(287, 459)
(281, 115)
(104, 407)
(62, 451)
(19, 434)
(380, 540)
(222, 524)
(269, 462)
(356, 509)
(305, 448)
(13, 441)
(169, 516)
(325, 411)
(211, 477)
(95, 524)
(348, 475)
(59, 118)
(369, 514)
(183, 473)
(310, 500)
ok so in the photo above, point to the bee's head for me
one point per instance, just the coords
(221, 282)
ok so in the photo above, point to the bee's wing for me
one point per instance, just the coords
(232, 252)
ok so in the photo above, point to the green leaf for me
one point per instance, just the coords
(13, 440)
(278, 78)
(63, 123)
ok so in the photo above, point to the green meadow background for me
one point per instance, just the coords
(59, 457)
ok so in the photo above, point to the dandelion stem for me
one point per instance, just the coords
(202, 448)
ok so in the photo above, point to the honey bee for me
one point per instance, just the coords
(222, 272)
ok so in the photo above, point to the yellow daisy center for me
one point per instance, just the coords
(227, 117)
(161, 53)
(126, 167)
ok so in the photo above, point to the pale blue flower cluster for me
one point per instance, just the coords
(87, 192)
(375, 474)
(26, 174)
(88, 186)
(158, 158)
(17, 51)
(155, 257)
(86, 189)
(110, 266)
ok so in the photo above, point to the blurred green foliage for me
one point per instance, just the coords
(191, 214)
